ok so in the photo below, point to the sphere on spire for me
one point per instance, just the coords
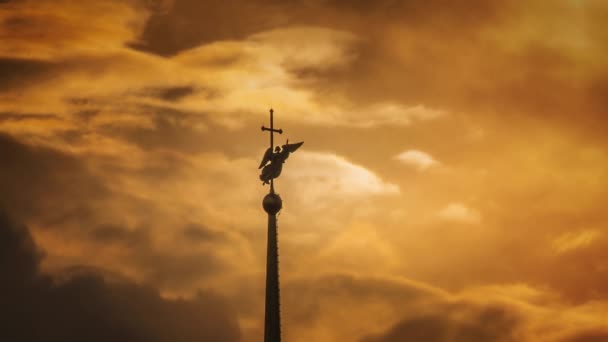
(272, 203)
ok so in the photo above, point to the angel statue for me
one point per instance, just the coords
(273, 169)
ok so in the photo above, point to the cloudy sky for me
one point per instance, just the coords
(451, 186)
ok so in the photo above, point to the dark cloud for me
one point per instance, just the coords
(179, 270)
(421, 313)
(464, 323)
(45, 184)
(445, 71)
(19, 257)
(599, 334)
(166, 269)
(305, 297)
(189, 23)
(171, 130)
(17, 73)
(87, 307)
(184, 132)
(176, 93)
(169, 93)
(26, 117)
(57, 191)
(435, 14)
(109, 233)
(201, 233)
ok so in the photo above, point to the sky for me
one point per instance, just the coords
(450, 187)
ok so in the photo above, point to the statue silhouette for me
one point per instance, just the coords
(272, 162)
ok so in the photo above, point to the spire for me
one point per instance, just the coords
(272, 319)
(272, 164)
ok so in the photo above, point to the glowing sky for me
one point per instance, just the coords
(451, 186)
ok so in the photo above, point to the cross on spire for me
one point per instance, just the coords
(272, 130)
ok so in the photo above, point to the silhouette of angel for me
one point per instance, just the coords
(272, 162)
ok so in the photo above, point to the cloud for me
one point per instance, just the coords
(84, 305)
(76, 207)
(597, 334)
(184, 24)
(132, 145)
(315, 306)
(266, 67)
(323, 177)
(50, 30)
(573, 240)
(491, 323)
(222, 82)
(417, 159)
(320, 48)
(394, 309)
(459, 213)
(20, 72)
(45, 183)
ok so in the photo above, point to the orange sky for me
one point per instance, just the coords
(450, 188)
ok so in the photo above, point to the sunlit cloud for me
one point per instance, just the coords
(419, 160)
(459, 213)
(332, 174)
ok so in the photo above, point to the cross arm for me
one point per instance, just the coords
(280, 131)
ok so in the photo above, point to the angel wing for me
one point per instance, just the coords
(266, 158)
(292, 147)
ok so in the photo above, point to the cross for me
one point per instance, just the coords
(272, 130)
